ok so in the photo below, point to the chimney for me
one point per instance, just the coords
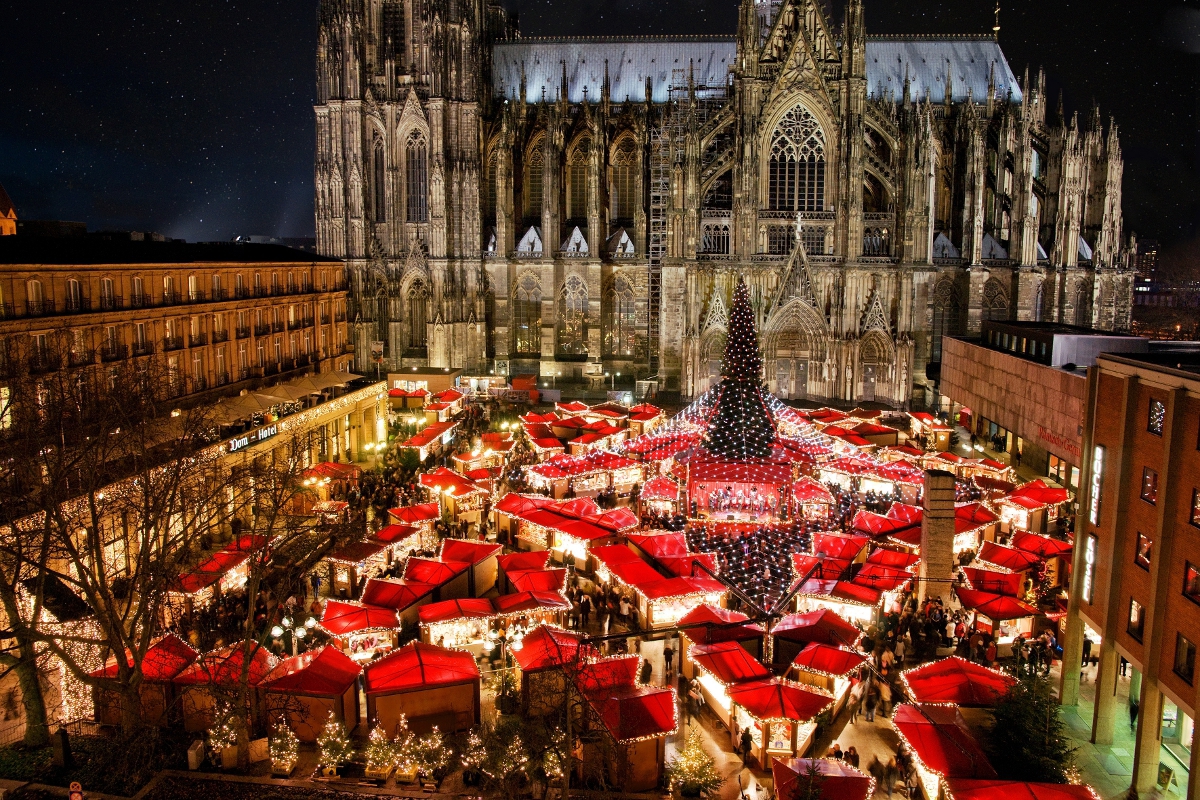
(937, 535)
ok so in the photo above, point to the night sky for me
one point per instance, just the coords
(194, 118)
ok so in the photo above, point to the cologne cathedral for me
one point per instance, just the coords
(575, 207)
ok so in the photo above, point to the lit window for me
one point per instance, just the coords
(1137, 620)
(1145, 548)
(1196, 507)
(1149, 485)
(1191, 582)
(1185, 657)
(1158, 417)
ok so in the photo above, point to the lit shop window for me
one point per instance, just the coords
(1145, 548)
(1137, 620)
(1158, 417)
(1191, 582)
(1196, 507)
(1149, 485)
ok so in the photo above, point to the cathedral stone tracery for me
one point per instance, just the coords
(571, 207)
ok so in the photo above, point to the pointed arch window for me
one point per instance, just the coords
(572, 316)
(625, 201)
(577, 181)
(380, 181)
(620, 335)
(534, 168)
(527, 316)
(995, 301)
(1039, 303)
(947, 317)
(416, 173)
(796, 171)
(418, 300)
(489, 197)
(1083, 304)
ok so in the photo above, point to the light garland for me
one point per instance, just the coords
(284, 749)
(908, 688)
(333, 744)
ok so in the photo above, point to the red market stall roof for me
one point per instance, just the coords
(838, 780)
(396, 595)
(679, 587)
(995, 606)
(447, 610)
(210, 571)
(450, 483)
(852, 465)
(660, 488)
(825, 659)
(840, 591)
(513, 503)
(1007, 557)
(328, 469)
(224, 667)
(423, 570)
(634, 573)
(976, 513)
(611, 554)
(774, 698)
(885, 579)
(830, 568)
(342, 618)
(658, 545)
(1027, 503)
(419, 666)
(545, 647)
(1042, 493)
(938, 736)
(806, 490)
(871, 429)
(910, 536)
(423, 512)
(429, 433)
(357, 552)
(390, 534)
(986, 580)
(520, 562)
(616, 672)
(164, 659)
(967, 789)
(710, 624)
(539, 580)
(728, 662)
(993, 484)
(326, 672)
(635, 712)
(905, 450)
(956, 681)
(1041, 546)
(468, 552)
(835, 545)
(897, 559)
(875, 525)
(905, 512)
(826, 415)
(821, 625)
(521, 602)
(683, 565)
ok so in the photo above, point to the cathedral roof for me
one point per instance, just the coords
(6, 204)
(87, 250)
(666, 61)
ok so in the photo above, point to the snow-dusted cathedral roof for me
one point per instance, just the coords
(632, 60)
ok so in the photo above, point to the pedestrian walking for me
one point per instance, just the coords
(885, 698)
(668, 663)
(1134, 705)
(746, 744)
(851, 756)
(871, 701)
(856, 697)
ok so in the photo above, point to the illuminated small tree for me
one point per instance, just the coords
(333, 744)
(694, 772)
(472, 759)
(285, 749)
(431, 754)
(381, 751)
(223, 733)
(742, 427)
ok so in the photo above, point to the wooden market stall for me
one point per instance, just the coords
(836, 780)
(215, 676)
(708, 624)
(779, 715)
(460, 624)
(452, 578)
(513, 564)
(427, 685)
(403, 596)
(718, 666)
(362, 631)
(542, 657)
(462, 497)
(828, 668)
(351, 565)
(795, 631)
(956, 681)
(940, 744)
(162, 662)
(305, 691)
(482, 556)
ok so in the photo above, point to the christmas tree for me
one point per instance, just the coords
(694, 772)
(742, 427)
(333, 744)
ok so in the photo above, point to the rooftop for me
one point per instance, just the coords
(29, 250)
(1173, 359)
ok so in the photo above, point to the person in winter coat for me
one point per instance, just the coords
(871, 701)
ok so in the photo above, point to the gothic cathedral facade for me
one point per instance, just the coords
(572, 208)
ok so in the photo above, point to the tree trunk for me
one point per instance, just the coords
(131, 707)
(37, 728)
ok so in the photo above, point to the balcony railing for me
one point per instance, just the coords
(198, 340)
(36, 308)
(172, 343)
(113, 352)
(243, 333)
(44, 362)
(262, 330)
(171, 297)
(110, 302)
(277, 326)
(143, 348)
(77, 305)
(220, 336)
(81, 357)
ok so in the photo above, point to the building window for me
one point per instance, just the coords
(1145, 549)
(947, 316)
(417, 299)
(624, 182)
(416, 171)
(527, 316)
(572, 311)
(534, 168)
(489, 196)
(577, 181)
(1195, 517)
(620, 338)
(995, 303)
(380, 181)
(1137, 620)
(796, 170)
(1158, 417)
(1185, 658)
(715, 238)
(1191, 582)
(1149, 485)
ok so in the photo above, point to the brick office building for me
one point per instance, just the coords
(1136, 571)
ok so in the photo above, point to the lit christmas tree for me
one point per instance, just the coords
(334, 744)
(284, 748)
(694, 772)
(742, 427)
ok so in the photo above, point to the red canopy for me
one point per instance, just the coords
(539, 580)
(660, 488)
(545, 647)
(661, 544)
(164, 659)
(608, 673)
(682, 565)
(728, 662)
(956, 681)
(224, 667)
(357, 552)
(342, 618)
(975, 513)
(831, 568)
(938, 736)
(1040, 492)
(709, 624)
(326, 672)
(873, 524)
(1007, 557)
(896, 559)
(806, 490)
(986, 580)
(611, 554)
(636, 712)
(821, 625)
(422, 570)
(1041, 546)
(396, 595)
(885, 579)
(419, 666)
(519, 562)
(835, 545)
(826, 659)
(328, 469)
(995, 606)
(395, 533)
(967, 789)
(418, 513)
(679, 587)
(905, 512)
(634, 573)
(521, 602)
(446, 610)
(468, 552)
(774, 698)
(840, 591)
(209, 571)
(838, 781)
